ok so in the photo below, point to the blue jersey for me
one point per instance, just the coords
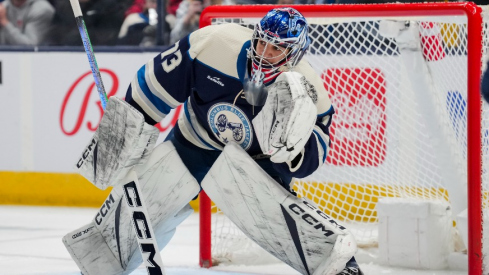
(205, 71)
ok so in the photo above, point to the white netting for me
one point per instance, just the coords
(400, 128)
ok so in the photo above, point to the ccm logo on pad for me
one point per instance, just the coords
(141, 225)
(104, 210)
(312, 220)
(85, 154)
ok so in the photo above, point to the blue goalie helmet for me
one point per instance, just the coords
(279, 39)
(284, 27)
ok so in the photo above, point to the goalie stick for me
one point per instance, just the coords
(139, 214)
(82, 28)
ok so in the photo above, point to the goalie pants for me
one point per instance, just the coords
(199, 161)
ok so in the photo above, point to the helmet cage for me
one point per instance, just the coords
(295, 46)
(286, 29)
(288, 50)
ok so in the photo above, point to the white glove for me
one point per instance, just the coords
(285, 123)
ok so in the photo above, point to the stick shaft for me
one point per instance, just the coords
(82, 28)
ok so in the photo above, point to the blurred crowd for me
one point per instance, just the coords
(115, 22)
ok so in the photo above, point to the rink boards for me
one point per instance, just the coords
(51, 108)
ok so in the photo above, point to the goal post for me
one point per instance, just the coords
(402, 147)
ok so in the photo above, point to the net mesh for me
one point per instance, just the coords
(399, 89)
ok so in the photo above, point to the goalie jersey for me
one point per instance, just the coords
(205, 71)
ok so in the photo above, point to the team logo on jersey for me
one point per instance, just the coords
(229, 123)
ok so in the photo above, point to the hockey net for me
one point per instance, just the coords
(409, 122)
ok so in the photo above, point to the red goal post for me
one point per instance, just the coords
(474, 43)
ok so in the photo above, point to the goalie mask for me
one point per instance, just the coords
(279, 39)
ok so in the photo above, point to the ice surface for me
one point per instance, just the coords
(30, 243)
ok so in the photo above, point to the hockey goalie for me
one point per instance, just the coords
(256, 116)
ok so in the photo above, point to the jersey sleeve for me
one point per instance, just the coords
(316, 149)
(166, 81)
(163, 82)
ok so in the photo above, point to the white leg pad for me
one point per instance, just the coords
(90, 251)
(167, 187)
(345, 247)
(291, 229)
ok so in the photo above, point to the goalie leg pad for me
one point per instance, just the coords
(90, 251)
(290, 228)
(167, 187)
(344, 249)
(122, 140)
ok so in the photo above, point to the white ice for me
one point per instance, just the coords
(30, 243)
